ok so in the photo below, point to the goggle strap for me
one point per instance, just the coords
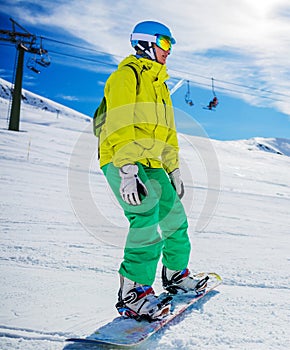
(143, 37)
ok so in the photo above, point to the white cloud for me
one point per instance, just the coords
(245, 42)
(68, 97)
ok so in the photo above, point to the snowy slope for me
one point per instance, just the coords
(62, 234)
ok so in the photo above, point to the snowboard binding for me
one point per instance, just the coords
(178, 282)
(163, 310)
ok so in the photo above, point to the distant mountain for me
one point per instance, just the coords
(272, 145)
(37, 101)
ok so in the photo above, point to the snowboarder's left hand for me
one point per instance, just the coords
(131, 187)
(176, 182)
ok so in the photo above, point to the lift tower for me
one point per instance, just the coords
(24, 42)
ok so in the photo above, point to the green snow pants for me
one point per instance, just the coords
(157, 226)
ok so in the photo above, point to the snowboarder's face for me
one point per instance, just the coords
(161, 55)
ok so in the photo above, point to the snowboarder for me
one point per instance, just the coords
(139, 157)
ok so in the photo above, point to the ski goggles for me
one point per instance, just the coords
(164, 42)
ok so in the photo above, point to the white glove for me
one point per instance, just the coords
(176, 182)
(131, 185)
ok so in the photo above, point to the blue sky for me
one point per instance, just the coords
(243, 45)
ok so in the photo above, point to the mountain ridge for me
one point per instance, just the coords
(276, 145)
(43, 103)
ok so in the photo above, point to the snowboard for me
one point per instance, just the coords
(127, 332)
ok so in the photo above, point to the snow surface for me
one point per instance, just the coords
(62, 234)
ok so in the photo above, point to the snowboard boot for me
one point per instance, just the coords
(140, 302)
(176, 282)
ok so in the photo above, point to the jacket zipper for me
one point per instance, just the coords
(164, 104)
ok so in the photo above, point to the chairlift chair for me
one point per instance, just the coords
(40, 57)
(43, 61)
(214, 102)
(187, 96)
(31, 64)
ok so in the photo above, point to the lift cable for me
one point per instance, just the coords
(173, 70)
(273, 93)
(83, 58)
(80, 47)
(191, 80)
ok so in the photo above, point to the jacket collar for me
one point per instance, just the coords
(156, 70)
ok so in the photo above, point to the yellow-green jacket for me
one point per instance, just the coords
(140, 124)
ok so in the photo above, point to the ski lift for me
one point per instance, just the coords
(44, 60)
(187, 96)
(34, 61)
(214, 102)
(31, 64)
(40, 57)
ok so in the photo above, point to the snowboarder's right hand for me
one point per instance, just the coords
(176, 182)
(131, 187)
